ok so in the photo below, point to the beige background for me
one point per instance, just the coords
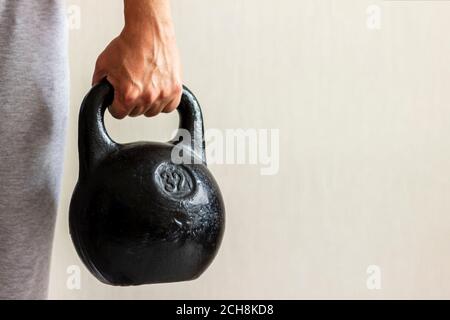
(364, 119)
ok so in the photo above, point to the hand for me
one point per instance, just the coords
(143, 66)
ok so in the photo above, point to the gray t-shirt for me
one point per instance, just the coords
(34, 105)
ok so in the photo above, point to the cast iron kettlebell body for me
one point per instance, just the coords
(136, 216)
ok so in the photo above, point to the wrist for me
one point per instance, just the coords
(146, 38)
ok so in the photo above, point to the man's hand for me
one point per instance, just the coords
(143, 63)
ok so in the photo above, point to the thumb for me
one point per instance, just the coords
(99, 70)
(98, 76)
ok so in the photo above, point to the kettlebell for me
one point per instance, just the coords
(137, 216)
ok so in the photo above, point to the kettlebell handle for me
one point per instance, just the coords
(94, 143)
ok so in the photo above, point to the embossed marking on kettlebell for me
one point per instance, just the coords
(174, 180)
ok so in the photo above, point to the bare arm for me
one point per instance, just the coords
(143, 63)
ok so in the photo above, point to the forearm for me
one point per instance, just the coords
(148, 19)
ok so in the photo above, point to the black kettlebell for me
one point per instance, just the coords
(136, 216)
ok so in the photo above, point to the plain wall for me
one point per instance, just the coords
(363, 117)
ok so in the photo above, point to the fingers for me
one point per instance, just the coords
(173, 99)
(166, 101)
(157, 106)
(174, 103)
(137, 111)
(129, 100)
(118, 110)
(125, 99)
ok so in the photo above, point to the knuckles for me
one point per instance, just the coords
(149, 98)
(129, 95)
(177, 90)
